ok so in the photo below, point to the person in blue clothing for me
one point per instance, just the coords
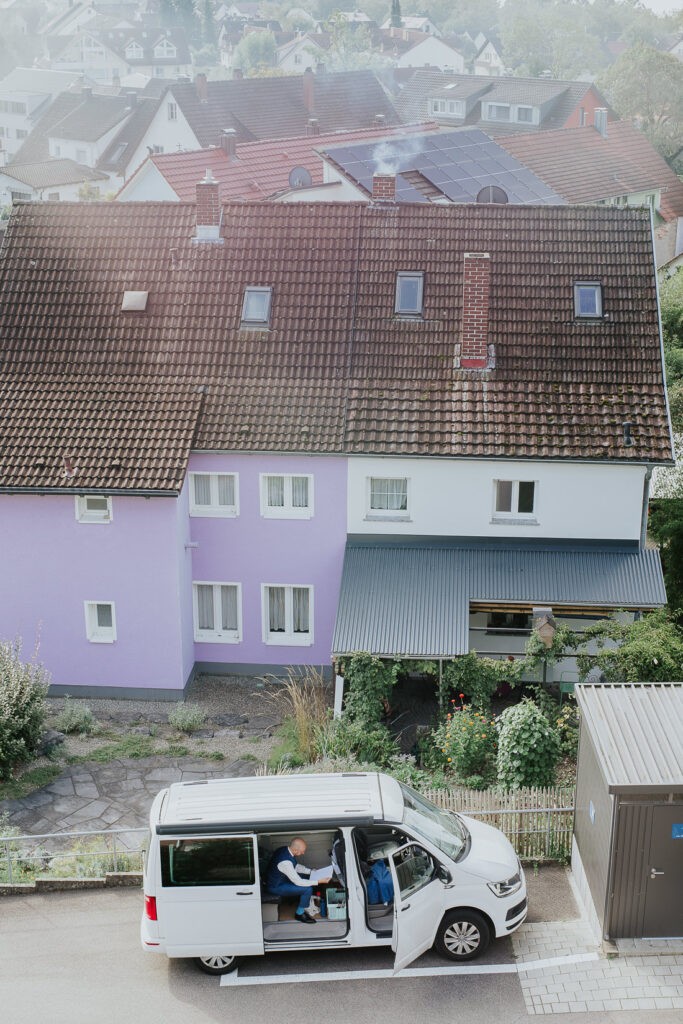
(285, 877)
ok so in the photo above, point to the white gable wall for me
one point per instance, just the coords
(435, 53)
(148, 184)
(170, 135)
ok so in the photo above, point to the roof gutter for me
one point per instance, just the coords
(141, 492)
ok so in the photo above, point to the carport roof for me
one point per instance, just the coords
(412, 600)
(637, 732)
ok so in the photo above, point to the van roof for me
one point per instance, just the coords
(299, 801)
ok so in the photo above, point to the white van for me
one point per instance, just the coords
(456, 882)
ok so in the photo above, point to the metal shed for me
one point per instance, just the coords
(627, 855)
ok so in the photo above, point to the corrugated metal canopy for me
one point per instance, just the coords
(413, 600)
(637, 731)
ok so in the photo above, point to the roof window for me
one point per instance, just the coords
(588, 299)
(134, 302)
(409, 287)
(256, 307)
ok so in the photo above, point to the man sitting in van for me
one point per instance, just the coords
(285, 877)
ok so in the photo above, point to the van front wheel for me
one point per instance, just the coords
(462, 935)
(217, 964)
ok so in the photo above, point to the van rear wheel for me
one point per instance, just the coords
(462, 935)
(217, 964)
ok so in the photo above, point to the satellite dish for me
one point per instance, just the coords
(299, 177)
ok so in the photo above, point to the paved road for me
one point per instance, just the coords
(75, 958)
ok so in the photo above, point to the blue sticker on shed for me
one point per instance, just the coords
(677, 831)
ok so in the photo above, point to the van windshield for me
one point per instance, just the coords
(440, 827)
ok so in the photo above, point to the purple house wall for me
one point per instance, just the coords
(145, 560)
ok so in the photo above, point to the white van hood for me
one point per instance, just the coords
(491, 855)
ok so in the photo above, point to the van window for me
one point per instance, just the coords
(442, 828)
(187, 862)
(414, 869)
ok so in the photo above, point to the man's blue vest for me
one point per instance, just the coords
(274, 876)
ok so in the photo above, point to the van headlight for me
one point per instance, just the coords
(507, 887)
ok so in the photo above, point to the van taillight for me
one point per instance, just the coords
(151, 907)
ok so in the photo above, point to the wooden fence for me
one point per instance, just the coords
(538, 822)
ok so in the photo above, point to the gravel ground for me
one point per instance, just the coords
(241, 718)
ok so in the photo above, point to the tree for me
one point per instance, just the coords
(255, 52)
(648, 650)
(351, 47)
(209, 33)
(396, 19)
(549, 35)
(646, 85)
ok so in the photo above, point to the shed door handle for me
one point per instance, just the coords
(653, 873)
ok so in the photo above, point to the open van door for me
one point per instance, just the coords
(418, 903)
(209, 900)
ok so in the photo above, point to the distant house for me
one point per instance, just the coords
(306, 50)
(241, 436)
(615, 165)
(419, 23)
(282, 168)
(25, 95)
(676, 48)
(499, 105)
(487, 60)
(51, 180)
(276, 108)
(433, 52)
(107, 56)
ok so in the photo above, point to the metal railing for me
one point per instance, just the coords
(70, 854)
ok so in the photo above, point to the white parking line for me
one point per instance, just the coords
(234, 979)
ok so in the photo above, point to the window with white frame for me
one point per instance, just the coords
(286, 496)
(100, 622)
(525, 115)
(217, 612)
(588, 299)
(287, 615)
(514, 499)
(256, 307)
(438, 106)
(94, 508)
(498, 111)
(409, 289)
(388, 497)
(164, 49)
(214, 494)
(134, 51)
(172, 109)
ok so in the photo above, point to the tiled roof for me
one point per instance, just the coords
(76, 116)
(147, 38)
(131, 135)
(336, 372)
(261, 168)
(584, 167)
(563, 97)
(273, 108)
(52, 172)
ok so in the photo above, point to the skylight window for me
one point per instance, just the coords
(588, 299)
(134, 302)
(409, 288)
(256, 307)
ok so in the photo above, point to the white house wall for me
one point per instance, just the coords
(148, 184)
(171, 136)
(434, 53)
(448, 497)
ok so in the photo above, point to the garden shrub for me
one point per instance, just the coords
(528, 747)
(467, 740)
(568, 728)
(186, 717)
(23, 686)
(370, 681)
(348, 738)
(75, 717)
(479, 678)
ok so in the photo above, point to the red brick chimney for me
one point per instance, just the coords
(209, 212)
(384, 188)
(229, 142)
(201, 86)
(475, 310)
(309, 91)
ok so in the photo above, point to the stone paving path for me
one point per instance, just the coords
(92, 797)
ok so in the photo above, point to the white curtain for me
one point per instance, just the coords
(226, 489)
(204, 606)
(389, 495)
(300, 609)
(300, 492)
(229, 608)
(202, 489)
(276, 609)
(276, 491)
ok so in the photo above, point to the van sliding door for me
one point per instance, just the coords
(210, 896)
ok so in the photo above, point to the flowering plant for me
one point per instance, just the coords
(467, 740)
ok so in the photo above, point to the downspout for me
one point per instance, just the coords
(646, 502)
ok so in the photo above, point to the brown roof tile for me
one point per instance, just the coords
(336, 372)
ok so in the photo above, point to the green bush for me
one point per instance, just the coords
(75, 717)
(186, 717)
(370, 681)
(23, 686)
(528, 747)
(348, 738)
(467, 741)
(477, 678)
(568, 728)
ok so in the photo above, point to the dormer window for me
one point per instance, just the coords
(525, 115)
(409, 287)
(498, 111)
(164, 49)
(256, 307)
(134, 51)
(588, 299)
